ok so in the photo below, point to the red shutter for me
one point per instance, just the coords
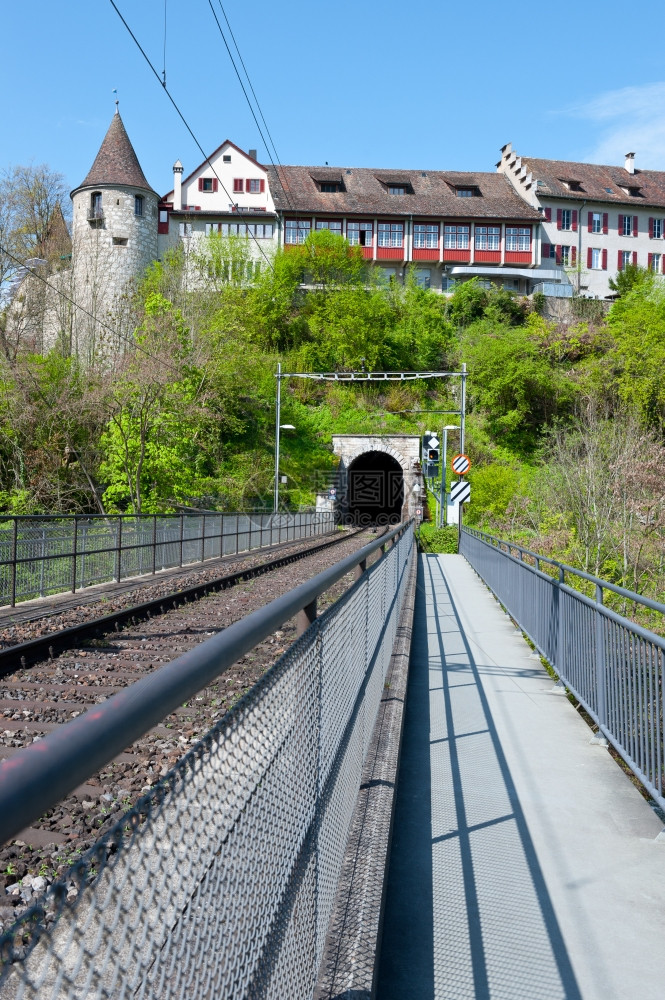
(635, 229)
(200, 184)
(620, 226)
(589, 256)
(590, 226)
(558, 218)
(574, 220)
(634, 258)
(238, 185)
(247, 184)
(606, 220)
(263, 185)
(620, 260)
(604, 260)
(650, 261)
(573, 255)
(548, 214)
(557, 254)
(214, 183)
(545, 250)
(651, 228)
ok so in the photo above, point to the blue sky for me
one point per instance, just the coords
(364, 83)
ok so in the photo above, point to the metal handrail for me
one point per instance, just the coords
(41, 774)
(563, 568)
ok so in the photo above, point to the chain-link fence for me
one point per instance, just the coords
(41, 556)
(613, 666)
(220, 883)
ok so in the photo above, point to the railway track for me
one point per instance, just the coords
(100, 657)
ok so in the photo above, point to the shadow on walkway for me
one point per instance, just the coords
(468, 915)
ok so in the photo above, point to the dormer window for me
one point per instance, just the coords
(328, 182)
(330, 187)
(570, 184)
(397, 189)
(467, 192)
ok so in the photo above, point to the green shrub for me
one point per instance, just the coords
(433, 539)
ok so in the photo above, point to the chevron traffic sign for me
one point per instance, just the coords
(461, 464)
(460, 492)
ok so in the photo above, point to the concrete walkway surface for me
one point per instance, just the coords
(524, 863)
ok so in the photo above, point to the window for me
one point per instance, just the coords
(596, 259)
(426, 237)
(238, 185)
(656, 229)
(564, 256)
(330, 187)
(596, 222)
(185, 229)
(138, 204)
(488, 237)
(456, 237)
(296, 230)
(163, 216)
(566, 218)
(359, 233)
(333, 225)
(258, 230)
(119, 241)
(391, 234)
(654, 262)
(423, 277)
(628, 225)
(465, 192)
(95, 205)
(226, 158)
(518, 239)
(254, 185)
(625, 258)
(396, 189)
(206, 184)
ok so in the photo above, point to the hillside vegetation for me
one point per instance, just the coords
(565, 425)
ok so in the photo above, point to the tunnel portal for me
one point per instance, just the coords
(375, 489)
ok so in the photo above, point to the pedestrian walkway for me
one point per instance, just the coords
(524, 864)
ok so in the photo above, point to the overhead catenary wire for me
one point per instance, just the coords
(256, 100)
(206, 158)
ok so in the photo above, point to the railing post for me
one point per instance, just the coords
(203, 539)
(305, 617)
(74, 552)
(601, 701)
(118, 550)
(154, 544)
(182, 528)
(14, 544)
(360, 569)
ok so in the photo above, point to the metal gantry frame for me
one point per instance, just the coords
(363, 376)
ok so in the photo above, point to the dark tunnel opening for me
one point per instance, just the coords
(376, 489)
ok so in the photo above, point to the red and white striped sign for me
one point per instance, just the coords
(461, 464)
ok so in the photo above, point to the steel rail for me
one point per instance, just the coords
(42, 774)
(46, 646)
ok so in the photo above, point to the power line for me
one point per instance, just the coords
(256, 100)
(189, 129)
(116, 333)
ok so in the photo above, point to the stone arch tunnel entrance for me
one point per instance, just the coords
(375, 489)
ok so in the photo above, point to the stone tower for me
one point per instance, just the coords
(114, 238)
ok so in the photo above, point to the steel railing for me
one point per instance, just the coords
(50, 555)
(221, 881)
(613, 666)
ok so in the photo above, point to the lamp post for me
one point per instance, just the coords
(443, 506)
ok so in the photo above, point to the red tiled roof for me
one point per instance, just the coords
(366, 193)
(596, 182)
(116, 162)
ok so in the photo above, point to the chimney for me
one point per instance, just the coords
(177, 185)
(252, 154)
(630, 163)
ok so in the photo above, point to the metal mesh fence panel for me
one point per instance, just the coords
(220, 882)
(613, 666)
(39, 557)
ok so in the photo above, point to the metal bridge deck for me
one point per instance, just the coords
(524, 865)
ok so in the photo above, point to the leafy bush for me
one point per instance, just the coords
(433, 539)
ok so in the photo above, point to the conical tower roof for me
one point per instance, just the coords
(116, 162)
